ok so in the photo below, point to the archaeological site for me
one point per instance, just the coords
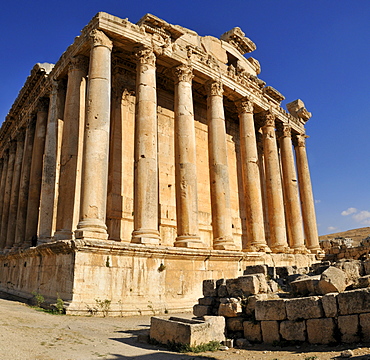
(147, 160)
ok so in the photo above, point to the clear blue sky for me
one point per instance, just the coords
(315, 50)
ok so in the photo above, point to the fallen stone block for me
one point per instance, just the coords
(365, 326)
(332, 280)
(293, 330)
(366, 265)
(354, 302)
(304, 308)
(186, 331)
(242, 343)
(232, 308)
(320, 331)
(270, 309)
(270, 331)
(305, 286)
(235, 323)
(256, 269)
(329, 304)
(364, 281)
(221, 288)
(209, 288)
(207, 301)
(252, 331)
(263, 286)
(349, 329)
(251, 303)
(202, 310)
(351, 268)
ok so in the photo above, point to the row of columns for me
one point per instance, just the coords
(79, 125)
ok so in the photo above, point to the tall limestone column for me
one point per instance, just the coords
(185, 161)
(305, 191)
(292, 205)
(20, 225)
(251, 178)
(14, 195)
(219, 172)
(3, 182)
(50, 173)
(274, 188)
(146, 157)
(7, 194)
(36, 174)
(68, 212)
(94, 179)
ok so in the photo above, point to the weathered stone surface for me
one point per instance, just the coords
(364, 281)
(221, 288)
(320, 331)
(263, 286)
(201, 310)
(256, 269)
(293, 330)
(207, 301)
(352, 269)
(243, 286)
(270, 331)
(366, 265)
(252, 331)
(234, 323)
(332, 280)
(349, 329)
(242, 343)
(209, 288)
(354, 302)
(251, 302)
(329, 304)
(304, 308)
(232, 308)
(305, 286)
(365, 326)
(270, 310)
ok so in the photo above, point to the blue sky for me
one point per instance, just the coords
(315, 50)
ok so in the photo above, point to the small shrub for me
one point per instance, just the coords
(103, 306)
(39, 299)
(60, 305)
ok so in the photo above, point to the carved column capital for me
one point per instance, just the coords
(145, 55)
(244, 105)
(285, 131)
(215, 88)
(269, 119)
(183, 73)
(43, 104)
(79, 62)
(98, 38)
(300, 140)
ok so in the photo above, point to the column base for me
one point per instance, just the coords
(257, 248)
(90, 234)
(300, 250)
(146, 236)
(316, 250)
(281, 249)
(223, 244)
(188, 241)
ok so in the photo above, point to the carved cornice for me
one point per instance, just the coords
(237, 38)
(244, 105)
(79, 62)
(183, 73)
(98, 38)
(274, 94)
(145, 56)
(297, 109)
(215, 88)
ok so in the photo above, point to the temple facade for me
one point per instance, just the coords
(147, 159)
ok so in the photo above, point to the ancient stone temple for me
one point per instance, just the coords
(147, 159)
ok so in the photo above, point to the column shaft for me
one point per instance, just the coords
(274, 188)
(219, 172)
(292, 205)
(3, 183)
(96, 147)
(146, 157)
(251, 179)
(72, 149)
(305, 191)
(185, 162)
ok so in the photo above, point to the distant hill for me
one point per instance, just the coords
(356, 235)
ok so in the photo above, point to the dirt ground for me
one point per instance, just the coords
(33, 335)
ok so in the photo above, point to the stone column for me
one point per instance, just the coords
(292, 205)
(146, 157)
(14, 195)
(7, 193)
(3, 182)
(305, 191)
(50, 174)
(20, 226)
(219, 172)
(185, 161)
(96, 147)
(36, 173)
(68, 212)
(251, 178)
(274, 188)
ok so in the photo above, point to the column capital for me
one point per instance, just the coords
(244, 105)
(79, 62)
(300, 140)
(145, 55)
(285, 131)
(214, 88)
(98, 38)
(183, 73)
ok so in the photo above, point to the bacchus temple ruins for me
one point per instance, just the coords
(147, 159)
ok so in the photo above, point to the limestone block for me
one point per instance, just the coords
(221, 288)
(293, 330)
(366, 265)
(201, 310)
(217, 327)
(263, 286)
(270, 310)
(251, 302)
(243, 286)
(207, 301)
(305, 286)
(232, 308)
(270, 331)
(234, 323)
(364, 281)
(242, 343)
(365, 326)
(233, 288)
(304, 308)
(273, 286)
(354, 302)
(252, 331)
(332, 280)
(348, 327)
(209, 288)
(256, 269)
(352, 270)
(329, 304)
(320, 331)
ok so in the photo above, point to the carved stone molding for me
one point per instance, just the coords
(215, 88)
(183, 73)
(244, 105)
(145, 55)
(79, 62)
(300, 140)
(98, 38)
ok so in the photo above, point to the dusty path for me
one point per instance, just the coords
(33, 335)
